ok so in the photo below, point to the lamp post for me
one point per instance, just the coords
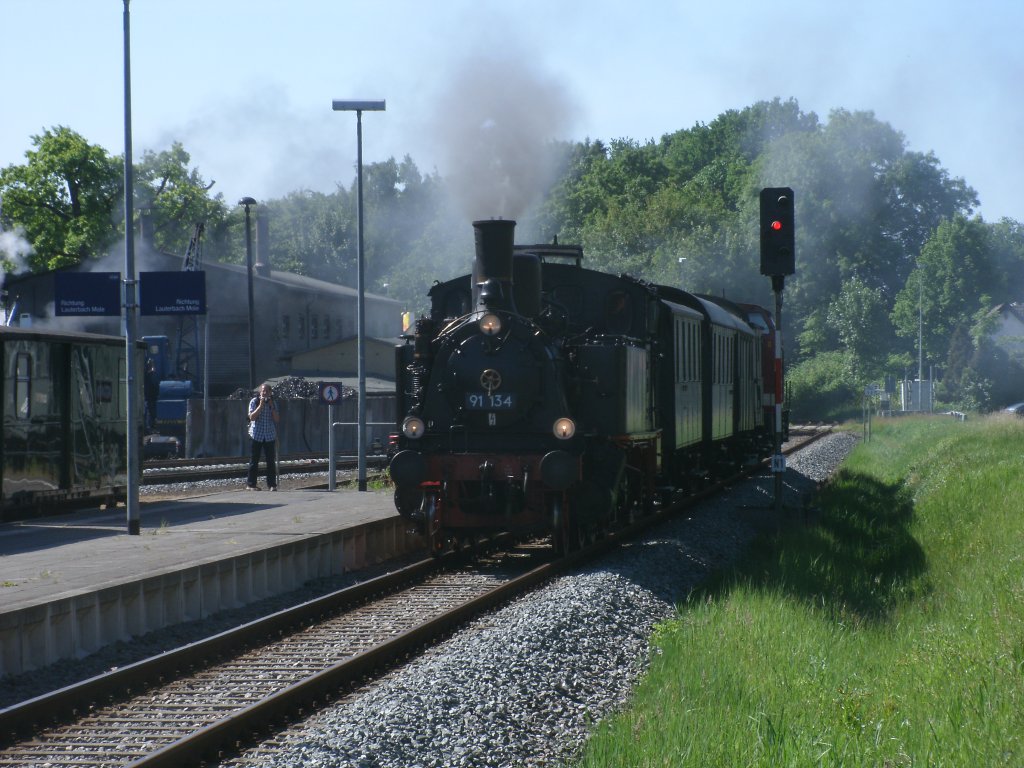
(132, 447)
(340, 105)
(247, 202)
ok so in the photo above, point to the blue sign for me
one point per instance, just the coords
(172, 293)
(86, 293)
(330, 392)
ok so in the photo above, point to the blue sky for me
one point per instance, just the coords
(247, 86)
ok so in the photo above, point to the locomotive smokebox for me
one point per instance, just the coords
(492, 268)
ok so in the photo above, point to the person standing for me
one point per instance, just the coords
(263, 419)
(151, 390)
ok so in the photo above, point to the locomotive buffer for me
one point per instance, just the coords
(778, 259)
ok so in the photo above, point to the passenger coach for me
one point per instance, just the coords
(64, 420)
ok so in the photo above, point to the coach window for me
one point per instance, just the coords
(454, 303)
(720, 355)
(327, 326)
(314, 327)
(568, 298)
(22, 386)
(680, 352)
(286, 326)
(619, 312)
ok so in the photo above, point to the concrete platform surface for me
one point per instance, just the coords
(70, 584)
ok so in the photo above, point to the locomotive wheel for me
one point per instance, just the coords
(587, 535)
(408, 501)
(559, 524)
(435, 540)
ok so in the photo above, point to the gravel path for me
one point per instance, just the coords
(524, 685)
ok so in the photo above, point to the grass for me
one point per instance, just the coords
(888, 633)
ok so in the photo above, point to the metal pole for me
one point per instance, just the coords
(331, 479)
(920, 339)
(206, 384)
(132, 447)
(778, 460)
(248, 201)
(358, 106)
(361, 304)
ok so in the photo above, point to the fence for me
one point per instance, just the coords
(303, 427)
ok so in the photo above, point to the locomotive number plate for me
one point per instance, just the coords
(483, 401)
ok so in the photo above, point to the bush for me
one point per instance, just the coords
(824, 388)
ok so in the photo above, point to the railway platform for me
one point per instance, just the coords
(72, 584)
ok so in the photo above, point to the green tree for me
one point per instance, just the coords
(961, 350)
(859, 316)
(174, 198)
(1006, 258)
(313, 234)
(864, 205)
(66, 197)
(945, 290)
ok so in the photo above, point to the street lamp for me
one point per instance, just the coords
(132, 421)
(340, 105)
(247, 202)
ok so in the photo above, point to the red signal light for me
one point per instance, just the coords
(776, 225)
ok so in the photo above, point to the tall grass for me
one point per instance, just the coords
(890, 632)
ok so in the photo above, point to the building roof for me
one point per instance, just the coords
(1014, 308)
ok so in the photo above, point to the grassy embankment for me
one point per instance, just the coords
(890, 632)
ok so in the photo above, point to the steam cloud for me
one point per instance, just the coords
(492, 126)
(14, 253)
(14, 249)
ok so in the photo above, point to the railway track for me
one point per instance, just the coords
(195, 703)
(193, 700)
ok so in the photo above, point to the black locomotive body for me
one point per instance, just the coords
(64, 420)
(540, 396)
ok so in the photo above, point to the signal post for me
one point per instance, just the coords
(778, 259)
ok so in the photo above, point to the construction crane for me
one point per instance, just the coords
(186, 364)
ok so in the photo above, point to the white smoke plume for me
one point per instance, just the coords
(14, 250)
(14, 253)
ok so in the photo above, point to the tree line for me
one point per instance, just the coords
(888, 244)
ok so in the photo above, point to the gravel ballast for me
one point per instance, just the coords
(525, 685)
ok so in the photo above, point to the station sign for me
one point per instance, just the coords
(172, 293)
(86, 293)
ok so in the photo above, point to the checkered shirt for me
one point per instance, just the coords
(263, 428)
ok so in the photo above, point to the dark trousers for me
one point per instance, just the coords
(269, 449)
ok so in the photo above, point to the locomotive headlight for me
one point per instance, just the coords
(490, 324)
(413, 427)
(564, 428)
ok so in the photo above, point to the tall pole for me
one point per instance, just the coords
(132, 447)
(358, 107)
(778, 459)
(920, 339)
(248, 201)
(360, 304)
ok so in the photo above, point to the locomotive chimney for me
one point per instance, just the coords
(492, 268)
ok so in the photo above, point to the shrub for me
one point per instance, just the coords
(824, 388)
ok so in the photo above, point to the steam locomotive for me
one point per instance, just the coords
(539, 396)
